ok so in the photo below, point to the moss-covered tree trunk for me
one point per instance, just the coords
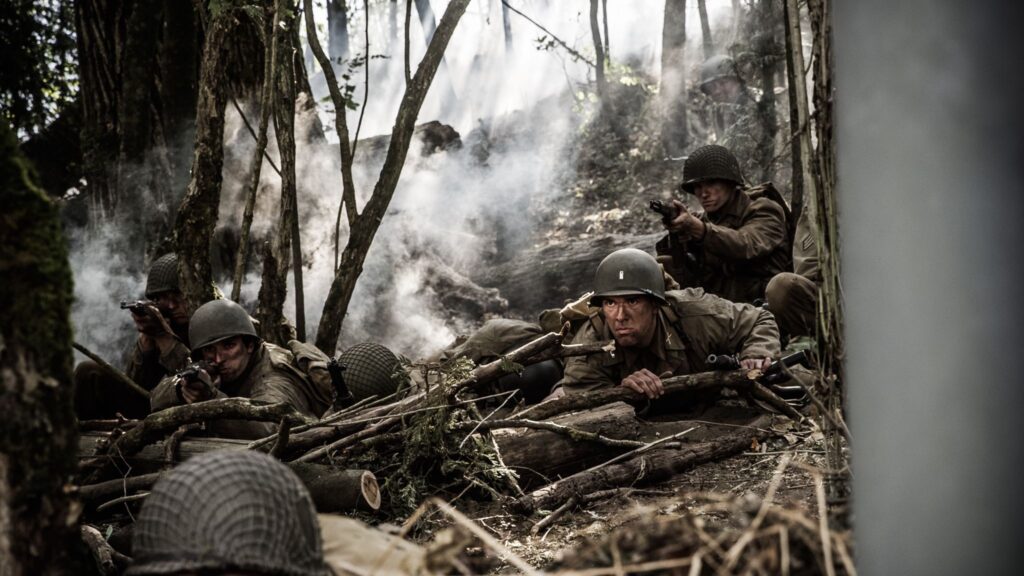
(197, 216)
(38, 436)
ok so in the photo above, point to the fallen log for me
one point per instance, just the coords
(590, 400)
(333, 490)
(540, 454)
(653, 466)
(166, 421)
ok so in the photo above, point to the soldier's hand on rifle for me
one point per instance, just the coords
(199, 389)
(151, 322)
(761, 364)
(645, 382)
(685, 224)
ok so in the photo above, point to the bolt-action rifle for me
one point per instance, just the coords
(138, 307)
(192, 373)
(674, 252)
(772, 377)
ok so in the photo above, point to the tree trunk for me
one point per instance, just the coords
(198, 214)
(337, 31)
(705, 29)
(599, 58)
(766, 106)
(332, 489)
(799, 112)
(270, 59)
(392, 25)
(427, 20)
(654, 466)
(365, 227)
(506, 25)
(38, 520)
(673, 95)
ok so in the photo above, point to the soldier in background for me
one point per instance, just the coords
(240, 364)
(659, 332)
(730, 114)
(741, 240)
(161, 349)
(237, 512)
(793, 296)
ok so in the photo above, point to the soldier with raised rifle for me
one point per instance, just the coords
(160, 349)
(738, 243)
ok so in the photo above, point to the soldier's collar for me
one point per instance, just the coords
(734, 208)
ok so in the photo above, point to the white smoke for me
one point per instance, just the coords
(448, 207)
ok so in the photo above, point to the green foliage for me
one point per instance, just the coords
(37, 63)
(433, 457)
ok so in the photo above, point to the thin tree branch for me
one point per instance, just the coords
(366, 81)
(560, 42)
(114, 372)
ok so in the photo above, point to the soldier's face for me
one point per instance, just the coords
(723, 90)
(229, 358)
(713, 194)
(173, 306)
(631, 319)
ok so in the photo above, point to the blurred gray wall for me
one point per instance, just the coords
(930, 165)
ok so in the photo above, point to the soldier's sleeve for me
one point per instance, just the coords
(754, 332)
(586, 373)
(734, 328)
(275, 388)
(763, 232)
(176, 358)
(164, 395)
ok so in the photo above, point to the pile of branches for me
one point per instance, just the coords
(434, 439)
(719, 534)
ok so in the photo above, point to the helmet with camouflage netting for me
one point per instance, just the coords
(163, 276)
(711, 162)
(218, 320)
(628, 272)
(370, 370)
(237, 511)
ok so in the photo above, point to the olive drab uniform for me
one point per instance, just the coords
(690, 326)
(99, 395)
(273, 376)
(746, 244)
(793, 296)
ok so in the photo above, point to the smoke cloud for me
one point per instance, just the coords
(454, 212)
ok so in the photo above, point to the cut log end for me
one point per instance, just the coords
(370, 489)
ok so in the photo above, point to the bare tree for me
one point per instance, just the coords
(595, 32)
(799, 111)
(767, 51)
(363, 226)
(705, 29)
(674, 133)
(38, 434)
(429, 24)
(337, 31)
(506, 23)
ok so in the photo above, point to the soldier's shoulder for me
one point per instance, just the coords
(689, 302)
(281, 360)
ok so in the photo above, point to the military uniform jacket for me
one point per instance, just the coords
(805, 247)
(746, 243)
(692, 326)
(147, 368)
(272, 377)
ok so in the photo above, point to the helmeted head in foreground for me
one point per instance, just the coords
(228, 512)
(628, 272)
